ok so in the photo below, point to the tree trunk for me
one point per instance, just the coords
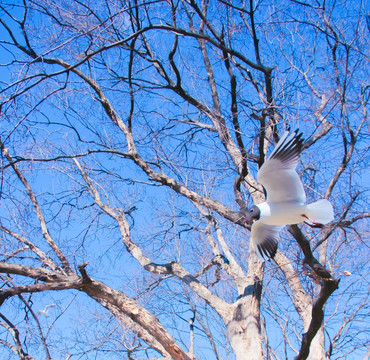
(244, 333)
(317, 349)
(244, 330)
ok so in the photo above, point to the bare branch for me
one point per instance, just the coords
(40, 216)
(32, 247)
(17, 348)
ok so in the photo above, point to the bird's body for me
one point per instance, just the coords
(285, 198)
(282, 213)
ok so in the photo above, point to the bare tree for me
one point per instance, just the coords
(131, 133)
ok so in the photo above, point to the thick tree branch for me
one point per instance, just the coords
(100, 292)
(36, 273)
(328, 286)
(302, 302)
(147, 326)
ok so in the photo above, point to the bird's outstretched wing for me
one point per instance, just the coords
(265, 238)
(278, 175)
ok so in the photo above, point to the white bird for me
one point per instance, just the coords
(285, 198)
(46, 310)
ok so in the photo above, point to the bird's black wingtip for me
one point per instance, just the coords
(297, 132)
(298, 135)
(299, 138)
(267, 249)
(290, 146)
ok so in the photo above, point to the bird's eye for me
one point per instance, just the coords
(252, 210)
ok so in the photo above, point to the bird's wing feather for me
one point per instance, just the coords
(278, 174)
(265, 238)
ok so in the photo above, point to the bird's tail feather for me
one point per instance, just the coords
(321, 211)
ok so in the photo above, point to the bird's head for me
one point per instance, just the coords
(252, 215)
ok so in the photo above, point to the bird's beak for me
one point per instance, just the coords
(247, 219)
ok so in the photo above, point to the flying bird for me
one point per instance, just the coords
(285, 198)
(45, 312)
